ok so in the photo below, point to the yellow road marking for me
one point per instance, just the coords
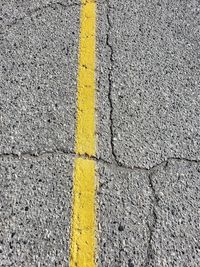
(83, 227)
(85, 136)
(83, 242)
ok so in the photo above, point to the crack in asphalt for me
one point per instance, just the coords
(70, 153)
(35, 154)
(152, 222)
(109, 45)
(115, 160)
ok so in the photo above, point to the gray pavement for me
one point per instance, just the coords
(124, 210)
(148, 127)
(38, 90)
(176, 236)
(35, 210)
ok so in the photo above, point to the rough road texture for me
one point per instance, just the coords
(148, 128)
(35, 210)
(38, 89)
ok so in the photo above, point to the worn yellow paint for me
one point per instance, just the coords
(85, 135)
(83, 242)
(83, 223)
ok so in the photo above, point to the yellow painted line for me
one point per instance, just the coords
(85, 136)
(83, 226)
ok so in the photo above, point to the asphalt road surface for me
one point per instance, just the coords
(148, 132)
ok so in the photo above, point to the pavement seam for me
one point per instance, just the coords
(37, 154)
